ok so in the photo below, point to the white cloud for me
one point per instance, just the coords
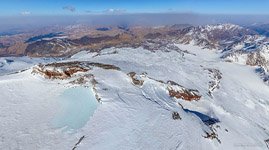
(115, 11)
(25, 13)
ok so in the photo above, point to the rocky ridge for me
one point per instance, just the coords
(236, 44)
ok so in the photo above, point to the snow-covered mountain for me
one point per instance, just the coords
(201, 90)
(237, 44)
(214, 36)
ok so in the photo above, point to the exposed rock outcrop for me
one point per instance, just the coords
(177, 91)
(214, 83)
(64, 70)
(135, 80)
(176, 116)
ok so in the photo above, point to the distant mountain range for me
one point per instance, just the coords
(245, 45)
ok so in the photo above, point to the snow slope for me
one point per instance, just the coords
(10, 65)
(140, 116)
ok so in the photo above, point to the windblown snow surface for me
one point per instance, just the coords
(131, 116)
(9, 65)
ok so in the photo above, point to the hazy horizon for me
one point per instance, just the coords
(31, 14)
(142, 19)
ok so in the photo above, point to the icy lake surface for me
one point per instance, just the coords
(77, 105)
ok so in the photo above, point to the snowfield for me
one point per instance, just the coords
(9, 65)
(138, 111)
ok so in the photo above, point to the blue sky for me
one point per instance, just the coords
(76, 7)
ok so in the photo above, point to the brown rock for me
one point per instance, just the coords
(135, 81)
(180, 92)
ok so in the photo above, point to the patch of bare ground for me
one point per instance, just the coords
(176, 116)
(65, 70)
(104, 66)
(83, 63)
(102, 54)
(177, 91)
(135, 80)
(94, 83)
(214, 83)
(212, 135)
(82, 80)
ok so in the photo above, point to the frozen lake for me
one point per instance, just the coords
(77, 105)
